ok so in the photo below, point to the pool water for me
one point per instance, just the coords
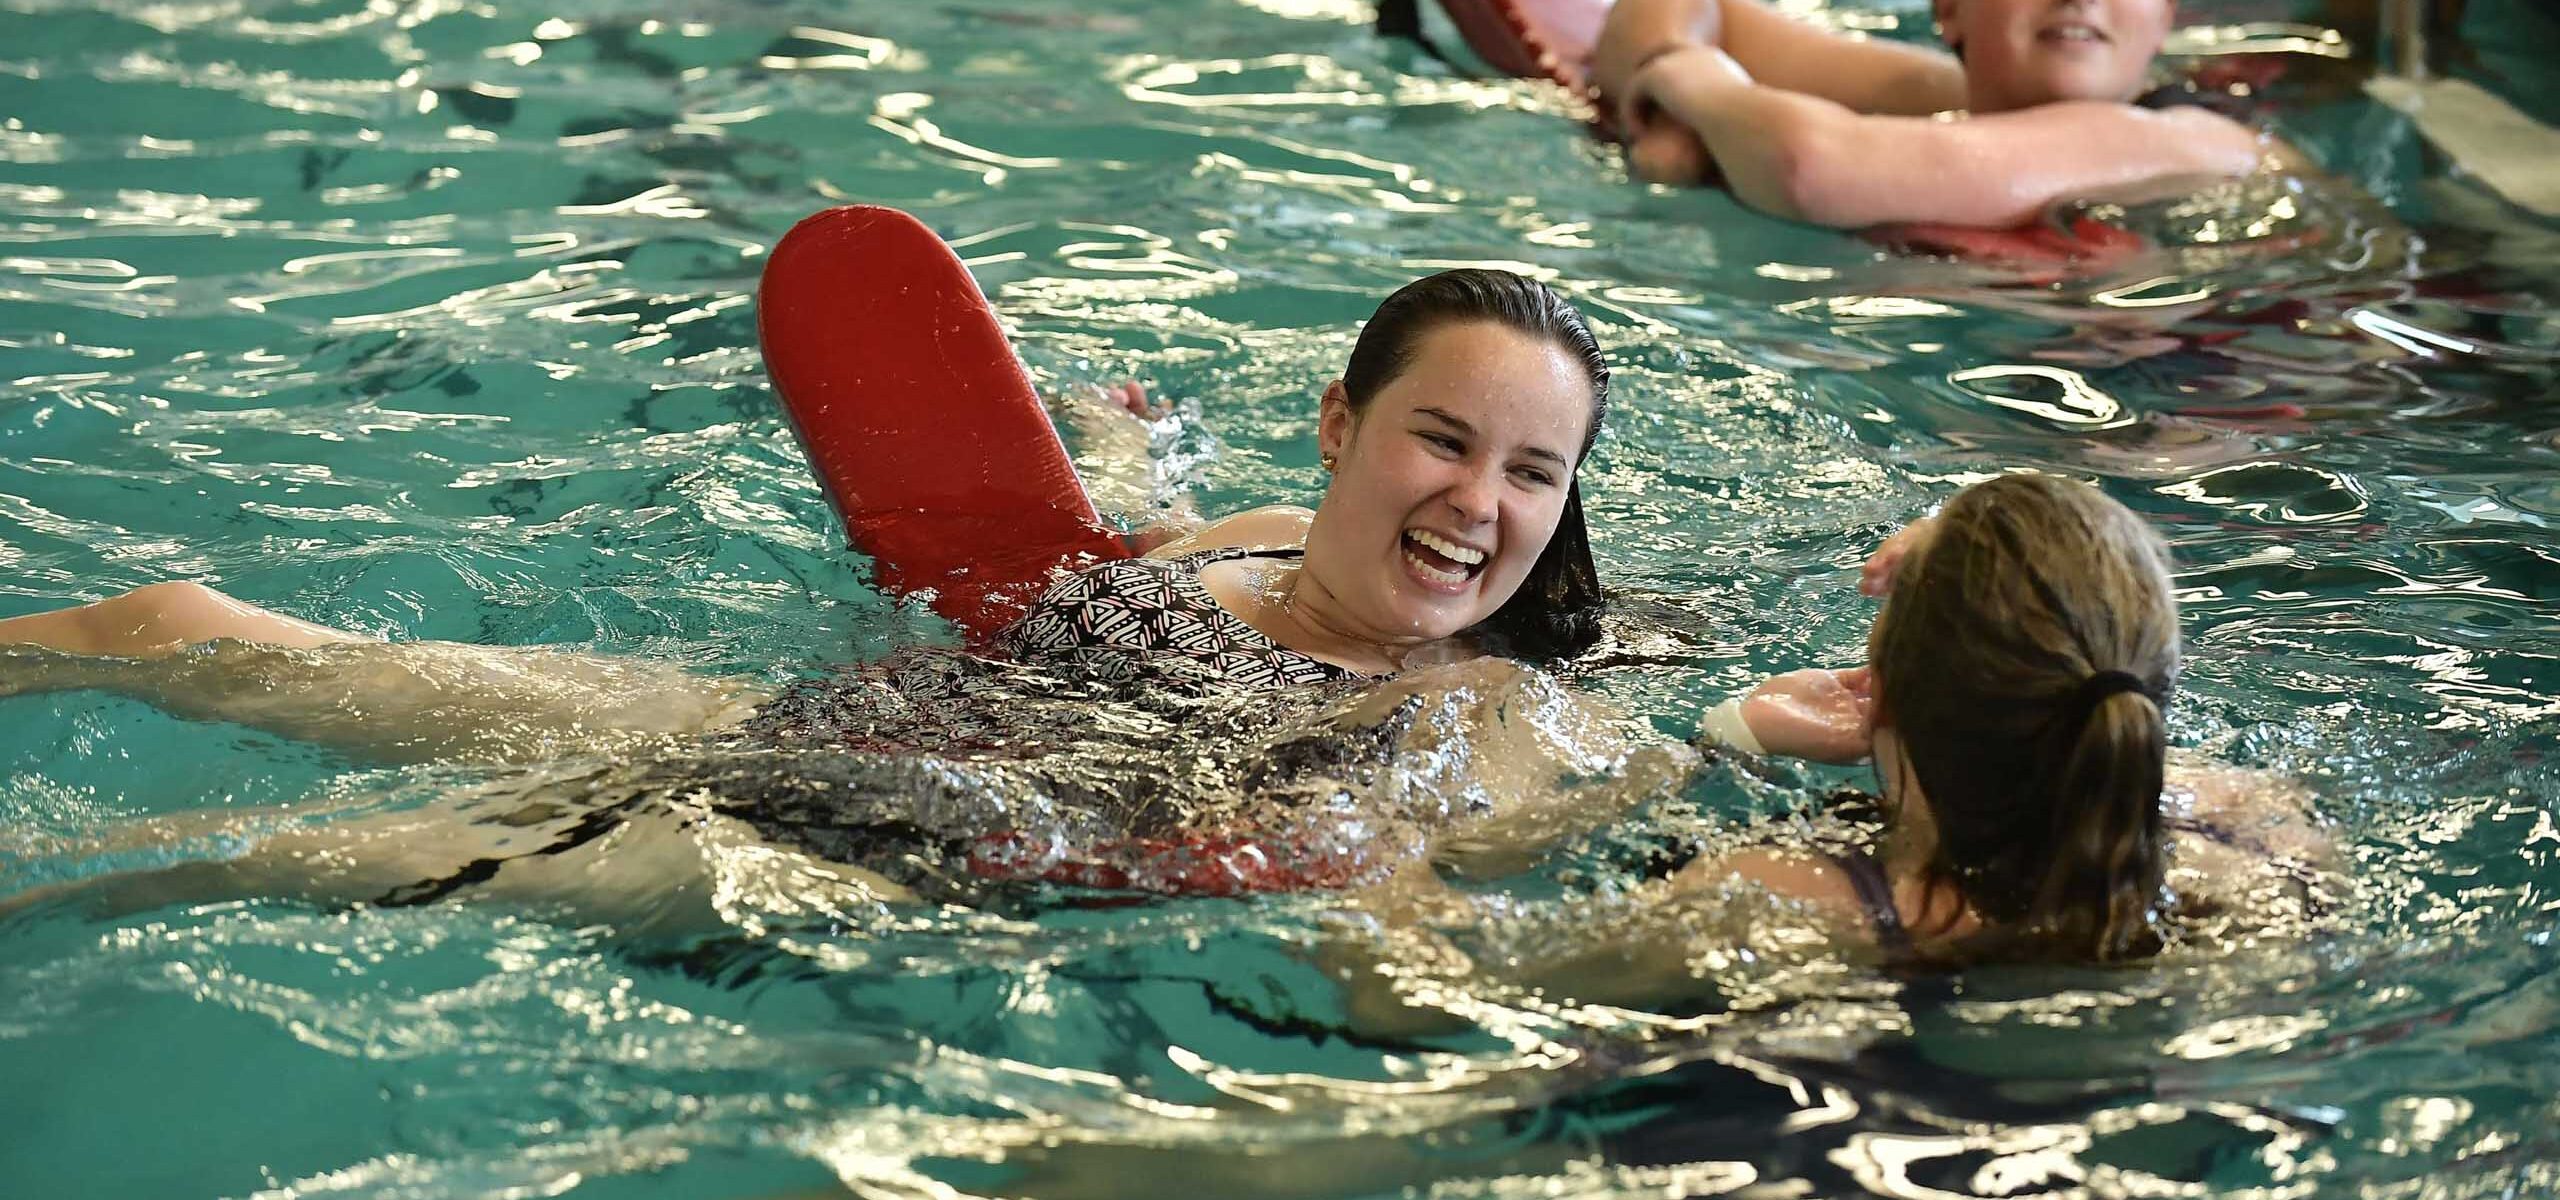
(433, 319)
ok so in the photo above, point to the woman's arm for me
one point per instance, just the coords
(1863, 74)
(1816, 713)
(1810, 159)
(1649, 946)
(1114, 439)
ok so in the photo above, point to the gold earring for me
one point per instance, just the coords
(1329, 461)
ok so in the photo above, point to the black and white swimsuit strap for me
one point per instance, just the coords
(1157, 610)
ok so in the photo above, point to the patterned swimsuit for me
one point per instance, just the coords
(961, 776)
(1154, 615)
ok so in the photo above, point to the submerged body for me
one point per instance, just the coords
(947, 778)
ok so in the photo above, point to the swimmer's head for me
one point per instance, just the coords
(2022, 663)
(1455, 433)
(2022, 53)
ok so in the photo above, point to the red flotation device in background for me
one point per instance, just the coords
(2082, 243)
(1532, 39)
(919, 420)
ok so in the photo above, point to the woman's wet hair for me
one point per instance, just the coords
(1556, 612)
(2026, 657)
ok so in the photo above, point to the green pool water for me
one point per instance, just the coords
(433, 319)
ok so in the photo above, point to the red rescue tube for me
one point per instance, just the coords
(919, 420)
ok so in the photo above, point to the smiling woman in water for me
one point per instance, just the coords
(1451, 527)
(1449, 535)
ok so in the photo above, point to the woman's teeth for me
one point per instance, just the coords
(1445, 548)
(1440, 560)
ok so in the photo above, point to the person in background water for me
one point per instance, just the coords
(2039, 101)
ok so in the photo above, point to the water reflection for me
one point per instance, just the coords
(436, 321)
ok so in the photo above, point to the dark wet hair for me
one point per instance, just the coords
(1556, 612)
(2026, 656)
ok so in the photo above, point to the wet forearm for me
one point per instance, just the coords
(1810, 160)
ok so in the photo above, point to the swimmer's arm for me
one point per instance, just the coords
(1809, 159)
(1668, 940)
(1272, 527)
(1864, 74)
(2272, 811)
(1518, 835)
(1115, 458)
(1652, 946)
(1817, 714)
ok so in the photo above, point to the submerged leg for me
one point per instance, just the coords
(202, 655)
(585, 843)
(162, 617)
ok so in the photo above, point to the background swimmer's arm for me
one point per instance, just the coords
(1864, 74)
(1272, 527)
(1809, 159)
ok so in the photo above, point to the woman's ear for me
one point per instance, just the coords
(1946, 12)
(1334, 421)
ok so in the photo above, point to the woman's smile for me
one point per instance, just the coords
(1442, 563)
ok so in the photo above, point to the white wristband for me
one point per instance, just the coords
(1724, 726)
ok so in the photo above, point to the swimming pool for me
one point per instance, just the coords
(432, 319)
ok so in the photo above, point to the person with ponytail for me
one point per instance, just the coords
(2018, 682)
(2014, 706)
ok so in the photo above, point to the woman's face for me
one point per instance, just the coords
(2022, 53)
(1448, 485)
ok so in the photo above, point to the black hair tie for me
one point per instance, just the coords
(2095, 690)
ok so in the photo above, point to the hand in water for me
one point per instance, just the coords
(1131, 396)
(1669, 153)
(1876, 578)
(1113, 432)
(1813, 714)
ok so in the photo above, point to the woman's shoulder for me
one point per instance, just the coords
(2267, 812)
(1271, 527)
